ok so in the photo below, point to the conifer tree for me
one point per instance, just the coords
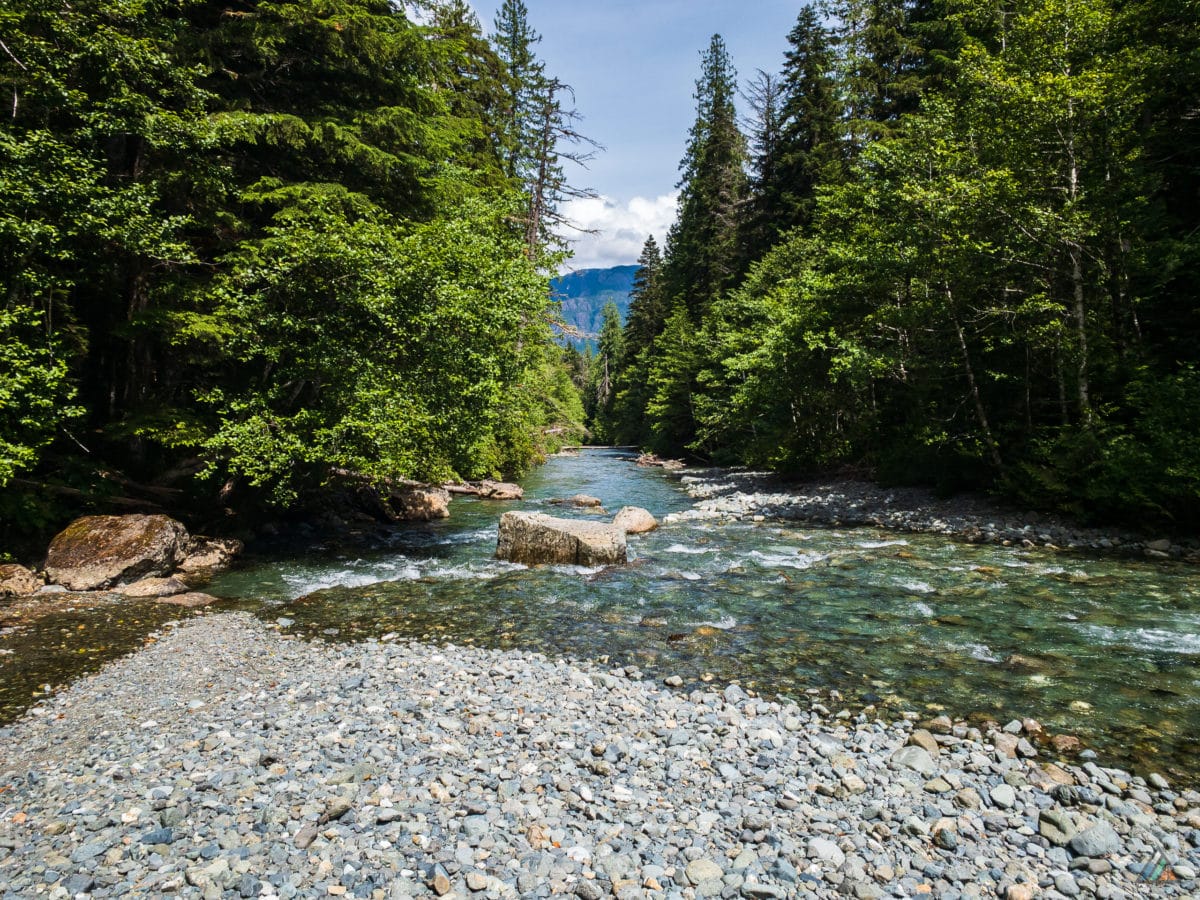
(558, 140)
(610, 351)
(647, 311)
(762, 213)
(809, 152)
(524, 75)
(645, 321)
(702, 253)
(472, 76)
(878, 66)
(538, 129)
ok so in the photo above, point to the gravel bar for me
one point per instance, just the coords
(228, 760)
(723, 493)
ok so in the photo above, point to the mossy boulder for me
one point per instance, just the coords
(98, 552)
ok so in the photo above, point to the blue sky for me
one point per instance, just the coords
(633, 64)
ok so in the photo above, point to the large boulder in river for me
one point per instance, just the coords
(18, 581)
(535, 538)
(420, 503)
(635, 520)
(97, 552)
(583, 501)
(500, 490)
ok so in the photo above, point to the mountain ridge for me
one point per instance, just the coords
(583, 294)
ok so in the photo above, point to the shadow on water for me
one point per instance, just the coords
(1106, 649)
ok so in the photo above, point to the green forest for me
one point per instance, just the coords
(950, 241)
(246, 246)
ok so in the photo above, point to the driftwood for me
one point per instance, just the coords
(61, 490)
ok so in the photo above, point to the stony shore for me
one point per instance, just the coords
(969, 517)
(227, 760)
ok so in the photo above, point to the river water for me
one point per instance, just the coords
(1106, 649)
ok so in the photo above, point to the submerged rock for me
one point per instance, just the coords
(154, 587)
(635, 520)
(535, 538)
(192, 600)
(98, 552)
(18, 581)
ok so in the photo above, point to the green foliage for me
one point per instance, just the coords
(988, 279)
(35, 396)
(702, 255)
(436, 318)
(279, 237)
(601, 396)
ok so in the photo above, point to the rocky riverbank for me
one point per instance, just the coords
(969, 517)
(226, 760)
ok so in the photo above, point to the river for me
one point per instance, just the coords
(1107, 649)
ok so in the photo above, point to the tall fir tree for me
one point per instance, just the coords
(516, 41)
(644, 322)
(472, 76)
(809, 152)
(702, 250)
(879, 63)
(762, 219)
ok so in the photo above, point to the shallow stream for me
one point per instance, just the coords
(1106, 649)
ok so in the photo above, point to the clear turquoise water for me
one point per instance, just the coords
(1107, 649)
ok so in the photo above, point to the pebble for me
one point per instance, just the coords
(1003, 796)
(1096, 841)
(451, 771)
(847, 503)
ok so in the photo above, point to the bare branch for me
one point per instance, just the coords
(12, 56)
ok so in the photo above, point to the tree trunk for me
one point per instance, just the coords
(969, 369)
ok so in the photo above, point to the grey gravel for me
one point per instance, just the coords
(227, 760)
(760, 496)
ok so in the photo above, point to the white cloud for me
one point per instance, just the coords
(621, 228)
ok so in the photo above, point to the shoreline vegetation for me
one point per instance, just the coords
(241, 251)
(832, 502)
(227, 757)
(943, 241)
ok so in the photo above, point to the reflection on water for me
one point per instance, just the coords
(1106, 649)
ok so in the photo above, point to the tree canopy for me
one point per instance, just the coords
(243, 247)
(967, 257)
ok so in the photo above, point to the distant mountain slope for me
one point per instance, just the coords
(583, 295)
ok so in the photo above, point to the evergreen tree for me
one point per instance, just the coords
(548, 186)
(538, 129)
(809, 154)
(702, 251)
(645, 321)
(473, 78)
(610, 352)
(671, 384)
(879, 65)
(647, 309)
(762, 215)
(518, 125)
